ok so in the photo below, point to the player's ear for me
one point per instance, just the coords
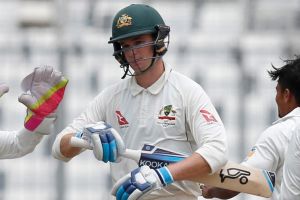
(287, 95)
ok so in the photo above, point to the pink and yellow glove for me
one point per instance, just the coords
(44, 89)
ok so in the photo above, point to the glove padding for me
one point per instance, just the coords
(44, 89)
(3, 89)
(140, 182)
(105, 141)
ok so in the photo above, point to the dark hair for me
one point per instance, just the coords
(288, 76)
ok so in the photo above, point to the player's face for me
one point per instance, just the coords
(138, 52)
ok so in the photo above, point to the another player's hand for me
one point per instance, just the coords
(140, 182)
(206, 191)
(3, 89)
(44, 89)
(105, 141)
(210, 192)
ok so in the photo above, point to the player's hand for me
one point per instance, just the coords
(140, 182)
(105, 141)
(210, 192)
(3, 89)
(206, 191)
(44, 89)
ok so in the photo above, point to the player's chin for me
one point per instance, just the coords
(139, 67)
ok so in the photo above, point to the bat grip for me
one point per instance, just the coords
(77, 142)
(132, 154)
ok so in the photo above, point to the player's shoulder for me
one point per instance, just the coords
(180, 80)
(279, 131)
(287, 124)
(114, 89)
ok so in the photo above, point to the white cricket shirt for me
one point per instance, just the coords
(290, 187)
(270, 150)
(174, 113)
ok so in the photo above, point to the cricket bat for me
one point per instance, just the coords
(232, 176)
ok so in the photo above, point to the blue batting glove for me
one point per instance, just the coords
(140, 182)
(106, 142)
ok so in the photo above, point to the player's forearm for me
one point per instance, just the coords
(65, 147)
(192, 167)
(15, 144)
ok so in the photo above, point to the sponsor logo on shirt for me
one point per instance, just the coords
(208, 116)
(167, 116)
(121, 120)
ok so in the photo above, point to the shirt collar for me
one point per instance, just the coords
(156, 87)
(293, 113)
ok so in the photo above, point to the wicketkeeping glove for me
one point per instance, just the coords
(105, 141)
(44, 89)
(140, 182)
(3, 89)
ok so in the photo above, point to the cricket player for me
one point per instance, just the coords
(269, 152)
(44, 91)
(156, 105)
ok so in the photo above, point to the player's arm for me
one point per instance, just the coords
(190, 168)
(14, 144)
(206, 127)
(263, 155)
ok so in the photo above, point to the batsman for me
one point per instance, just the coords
(154, 105)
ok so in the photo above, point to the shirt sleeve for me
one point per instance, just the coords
(267, 151)
(207, 129)
(14, 144)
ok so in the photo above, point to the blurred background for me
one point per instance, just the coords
(226, 46)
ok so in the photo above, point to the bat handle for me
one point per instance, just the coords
(77, 142)
(132, 154)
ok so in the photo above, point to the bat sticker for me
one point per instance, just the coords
(155, 157)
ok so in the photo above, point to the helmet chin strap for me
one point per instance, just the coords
(153, 60)
(127, 71)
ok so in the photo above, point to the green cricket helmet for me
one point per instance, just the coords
(136, 20)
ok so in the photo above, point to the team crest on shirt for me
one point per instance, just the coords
(167, 116)
(121, 120)
(251, 153)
